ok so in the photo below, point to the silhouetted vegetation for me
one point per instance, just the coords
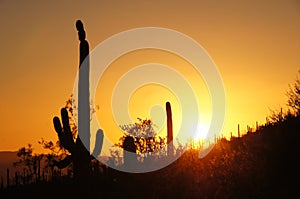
(293, 95)
(145, 139)
(263, 163)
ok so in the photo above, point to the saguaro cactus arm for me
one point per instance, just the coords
(76, 148)
(63, 163)
(64, 131)
(98, 143)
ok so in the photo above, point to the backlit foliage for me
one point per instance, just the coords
(145, 138)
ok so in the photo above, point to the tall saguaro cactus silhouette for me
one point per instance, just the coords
(169, 129)
(78, 147)
(83, 87)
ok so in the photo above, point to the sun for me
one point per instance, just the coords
(202, 132)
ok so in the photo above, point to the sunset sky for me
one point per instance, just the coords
(255, 45)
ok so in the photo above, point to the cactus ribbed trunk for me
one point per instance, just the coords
(169, 130)
(81, 163)
(80, 147)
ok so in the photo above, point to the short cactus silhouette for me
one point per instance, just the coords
(129, 153)
(169, 129)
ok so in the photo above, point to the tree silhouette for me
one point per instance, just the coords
(146, 140)
(293, 95)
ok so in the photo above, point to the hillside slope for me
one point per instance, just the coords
(262, 164)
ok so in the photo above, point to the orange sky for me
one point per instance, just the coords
(255, 45)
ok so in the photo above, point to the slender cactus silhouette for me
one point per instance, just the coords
(83, 87)
(169, 129)
(80, 156)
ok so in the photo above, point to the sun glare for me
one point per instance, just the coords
(201, 133)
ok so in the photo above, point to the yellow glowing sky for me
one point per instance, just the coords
(255, 45)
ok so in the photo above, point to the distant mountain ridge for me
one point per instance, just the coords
(7, 158)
